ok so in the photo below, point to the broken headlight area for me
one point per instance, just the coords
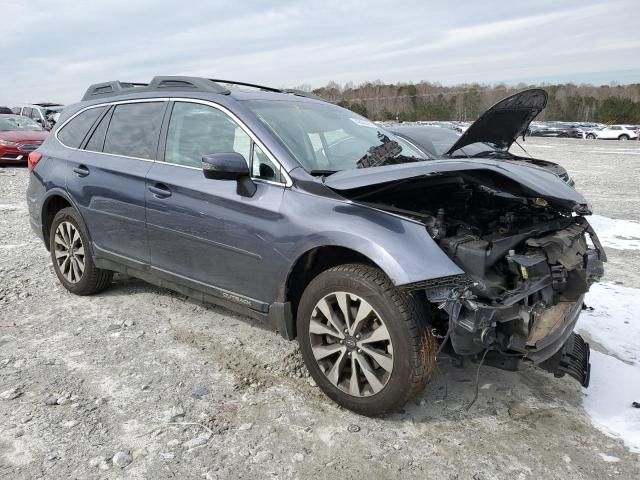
(525, 299)
(528, 258)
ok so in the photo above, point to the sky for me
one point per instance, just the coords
(52, 50)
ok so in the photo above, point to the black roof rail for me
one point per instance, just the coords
(188, 83)
(245, 84)
(293, 91)
(302, 93)
(109, 89)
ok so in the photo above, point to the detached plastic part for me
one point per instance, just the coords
(571, 359)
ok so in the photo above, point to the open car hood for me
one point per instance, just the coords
(505, 121)
(510, 177)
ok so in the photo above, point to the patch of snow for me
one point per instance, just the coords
(609, 458)
(615, 378)
(614, 322)
(618, 234)
(614, 386)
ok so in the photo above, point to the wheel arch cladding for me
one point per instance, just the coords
(313, 262)
(52, 205)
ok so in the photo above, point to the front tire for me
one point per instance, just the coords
(364, 341)
(591, 136)
(71, 256)
(623, 138)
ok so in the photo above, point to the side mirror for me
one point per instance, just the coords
(229, 166)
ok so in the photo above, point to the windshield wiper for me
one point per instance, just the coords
(322, 173)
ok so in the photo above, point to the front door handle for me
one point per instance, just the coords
(160, 190)
(81, 171)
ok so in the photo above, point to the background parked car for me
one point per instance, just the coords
(614, 132)
(5, 110)
(44, 113)
(19, 136)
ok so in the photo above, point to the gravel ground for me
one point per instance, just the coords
(140, 382)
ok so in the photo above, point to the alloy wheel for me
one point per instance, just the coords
(69, 252)
(351, 344)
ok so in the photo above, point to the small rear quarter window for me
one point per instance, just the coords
(72, 134)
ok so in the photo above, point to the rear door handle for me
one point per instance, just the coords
(160, 190)
(81, 171)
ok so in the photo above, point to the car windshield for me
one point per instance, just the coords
(325, 138)
(18, 123)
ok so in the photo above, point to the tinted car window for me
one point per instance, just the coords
(196, 130)
(96, 142)
(74, 132)
(134, 130)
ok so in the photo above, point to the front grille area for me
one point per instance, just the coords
(28, 147)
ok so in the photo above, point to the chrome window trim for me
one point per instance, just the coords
(287, 179)
(106, 104)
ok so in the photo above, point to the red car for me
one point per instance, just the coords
(19, 136)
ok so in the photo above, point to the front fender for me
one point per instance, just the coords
(401, 247)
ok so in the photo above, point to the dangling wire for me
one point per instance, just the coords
(475, 395)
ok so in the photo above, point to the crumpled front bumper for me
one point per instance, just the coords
(534, 323)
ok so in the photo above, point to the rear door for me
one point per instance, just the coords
(107, 176)
(202, 229)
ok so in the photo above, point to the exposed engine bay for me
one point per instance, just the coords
(528, 262)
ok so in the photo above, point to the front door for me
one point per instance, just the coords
(202, 229)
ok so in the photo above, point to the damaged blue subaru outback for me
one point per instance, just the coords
(325, 226)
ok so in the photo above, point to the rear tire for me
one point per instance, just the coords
(383, 359)
(623, 138)
(71, 255)
(591, 136)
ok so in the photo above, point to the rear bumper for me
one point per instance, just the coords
(36, 227)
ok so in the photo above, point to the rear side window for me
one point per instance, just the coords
(134, 130)
(96, 142)
(74, 132)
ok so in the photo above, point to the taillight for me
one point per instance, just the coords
(33, 159)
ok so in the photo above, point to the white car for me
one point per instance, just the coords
(614, 132)
(43, 113)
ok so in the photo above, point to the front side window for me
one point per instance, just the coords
(74, 131)
(325, 138)
(134, 130)
(262, 167)
(197, 130)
